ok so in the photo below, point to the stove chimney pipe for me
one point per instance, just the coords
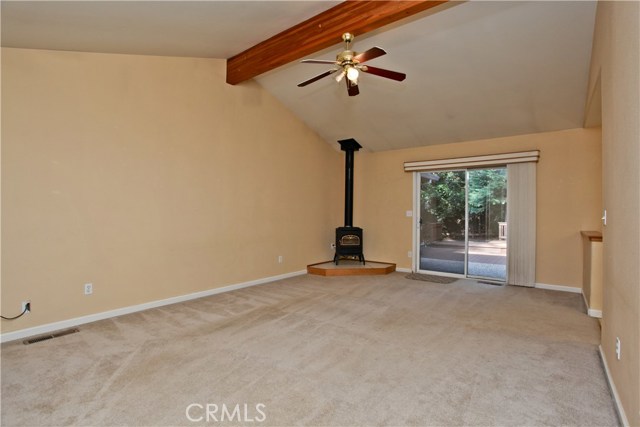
(349, 146)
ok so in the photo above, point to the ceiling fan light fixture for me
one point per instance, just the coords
(350, 63)
(352, 74)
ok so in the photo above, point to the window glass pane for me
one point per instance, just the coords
(487, 227)
(442, 216)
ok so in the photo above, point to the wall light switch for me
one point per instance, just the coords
(409, 213)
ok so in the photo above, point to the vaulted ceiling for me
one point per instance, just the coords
(478, 69)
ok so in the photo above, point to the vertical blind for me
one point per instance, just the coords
(521, 217)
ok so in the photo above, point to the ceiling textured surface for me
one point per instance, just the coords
(210, 29)
(475, 70)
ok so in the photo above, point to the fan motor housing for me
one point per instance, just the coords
(346, 57)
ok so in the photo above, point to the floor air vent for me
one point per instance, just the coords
(50, 336)
(488, 282)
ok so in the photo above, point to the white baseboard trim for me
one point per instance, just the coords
(591, 312)
(403, 270)
(64, 324)
(594, 313)
(559, 288)
(616, 397)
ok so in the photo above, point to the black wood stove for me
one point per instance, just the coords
(349, 241)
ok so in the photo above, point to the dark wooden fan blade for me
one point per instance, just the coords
(352, 88)
(394, 75)
(317, 61)
(316, 78)
(368, 55)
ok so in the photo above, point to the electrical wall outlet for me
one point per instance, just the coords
(618, 349)
(280, 259)
(25, 307)
(88, 288)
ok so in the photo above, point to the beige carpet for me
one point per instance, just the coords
(376, 350)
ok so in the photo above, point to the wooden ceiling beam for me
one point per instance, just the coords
(323, 30)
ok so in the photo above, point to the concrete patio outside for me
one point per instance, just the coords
(487, 258)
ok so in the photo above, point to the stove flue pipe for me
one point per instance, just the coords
(349, 146)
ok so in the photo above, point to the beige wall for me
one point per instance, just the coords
(616, 63)
(150, 177)
(569, 197)
(592, 273)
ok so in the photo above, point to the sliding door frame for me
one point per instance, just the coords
(416, 261)
(417, 188)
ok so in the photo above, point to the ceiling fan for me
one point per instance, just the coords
(349, 64)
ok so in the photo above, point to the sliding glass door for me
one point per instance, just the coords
(487, 231)
(462, 223)
(442, 222)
